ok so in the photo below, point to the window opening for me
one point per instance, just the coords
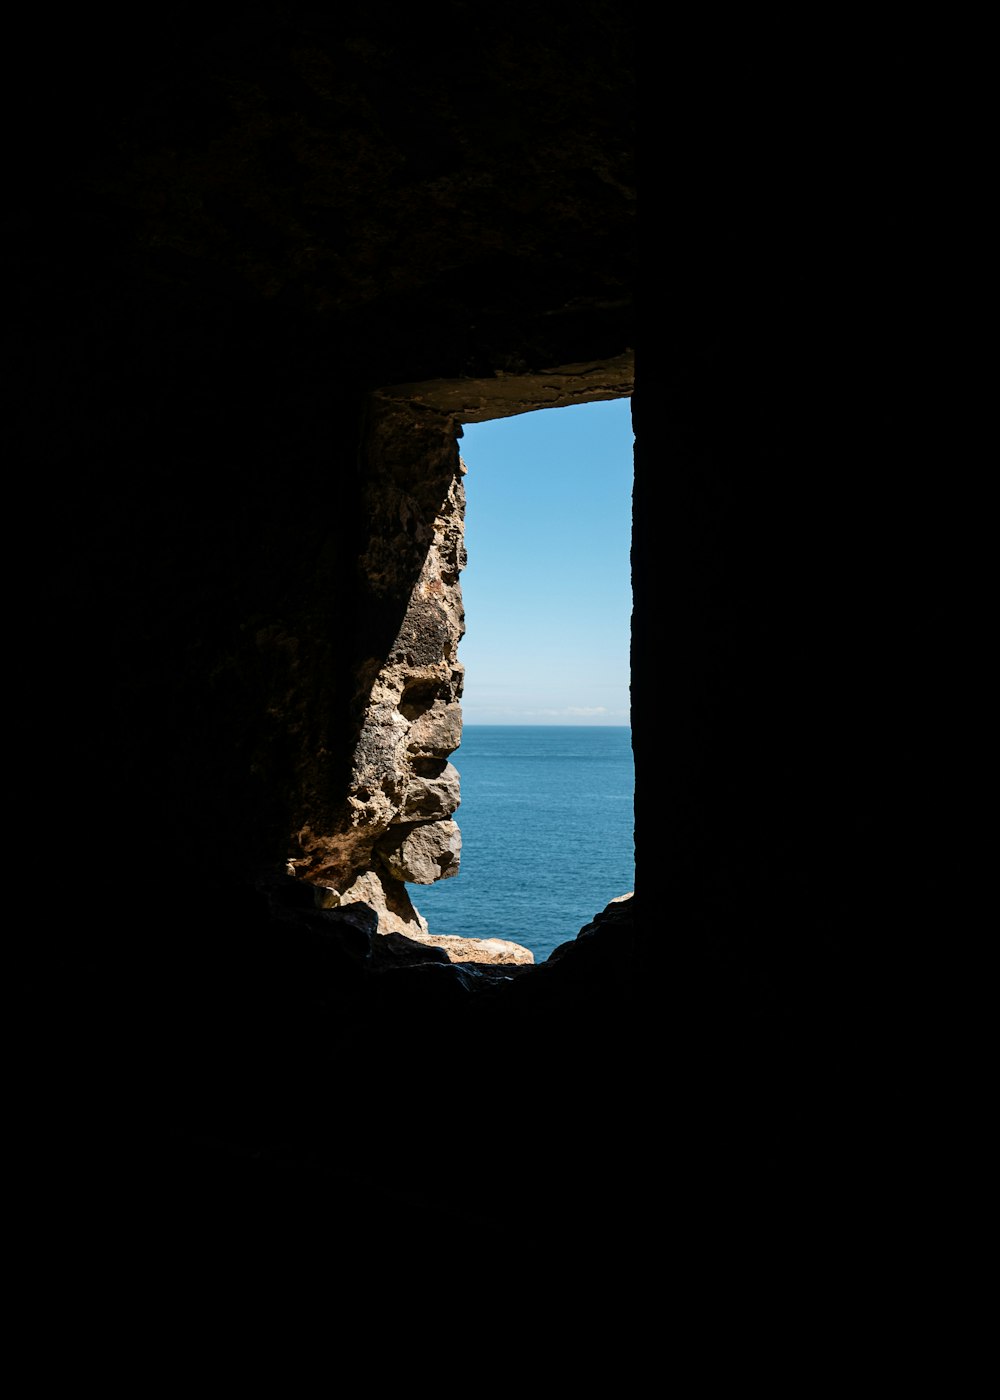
(547, 777)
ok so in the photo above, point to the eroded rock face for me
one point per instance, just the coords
(435, 731)
(432, 795)
(396, 826)
(387, 897)
(490, 952)
(424, 853)
(376, 906)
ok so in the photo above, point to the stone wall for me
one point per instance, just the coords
(396, 821)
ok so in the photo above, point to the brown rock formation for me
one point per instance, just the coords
(394, 825)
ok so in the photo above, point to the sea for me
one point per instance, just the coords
(547, 818)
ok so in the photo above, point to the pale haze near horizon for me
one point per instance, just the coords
(547, 588)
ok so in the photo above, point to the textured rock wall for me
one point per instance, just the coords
(397, 821)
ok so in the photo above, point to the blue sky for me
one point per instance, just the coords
(547, 588)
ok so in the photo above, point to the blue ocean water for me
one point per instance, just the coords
(547, 834)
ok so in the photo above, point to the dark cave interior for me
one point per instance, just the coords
(222, 253)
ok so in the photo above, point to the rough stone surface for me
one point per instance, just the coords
(422, 854)
(388, 900)
(431, 797)
(492, 951)
(407, 706)
(434, 731)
